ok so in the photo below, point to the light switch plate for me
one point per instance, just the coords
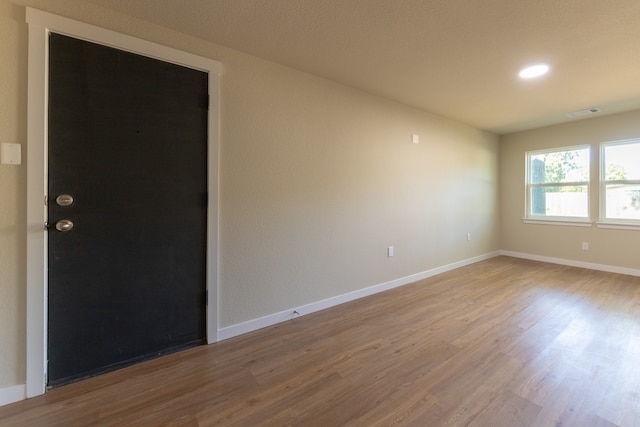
(10, 154)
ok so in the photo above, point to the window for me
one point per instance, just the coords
(620, 182)
(558, 184)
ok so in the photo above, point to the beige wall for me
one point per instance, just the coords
(618, 248)
(316, 180)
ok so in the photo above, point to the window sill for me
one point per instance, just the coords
(618, 225)
(556, 221)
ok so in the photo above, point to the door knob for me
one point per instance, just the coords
(64, 225)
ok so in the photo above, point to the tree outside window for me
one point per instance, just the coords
(558, 183)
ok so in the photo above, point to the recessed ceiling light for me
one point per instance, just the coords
(533, 71)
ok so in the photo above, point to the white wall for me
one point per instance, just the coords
(316, 180)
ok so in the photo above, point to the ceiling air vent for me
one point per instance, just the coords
(584, 112)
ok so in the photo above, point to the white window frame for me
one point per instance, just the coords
(556, 220)
(616, 223)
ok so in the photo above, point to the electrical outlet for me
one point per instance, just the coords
(585, 246)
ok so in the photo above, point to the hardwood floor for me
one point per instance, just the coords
(505, 342)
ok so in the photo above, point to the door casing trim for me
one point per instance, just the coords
(40, 25)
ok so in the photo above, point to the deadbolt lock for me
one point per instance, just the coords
(64, 200)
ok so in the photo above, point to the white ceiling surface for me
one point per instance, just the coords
(455, 58)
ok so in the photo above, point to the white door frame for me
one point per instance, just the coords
(40, 25)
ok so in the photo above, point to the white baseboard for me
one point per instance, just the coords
(272, 319)
(12, 394)
(573, 263)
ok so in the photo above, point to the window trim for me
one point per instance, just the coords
(577, 221)
(613, 223)
(558, 221)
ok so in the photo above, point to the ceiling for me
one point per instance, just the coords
(454, 58)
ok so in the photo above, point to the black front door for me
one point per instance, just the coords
(127, 188)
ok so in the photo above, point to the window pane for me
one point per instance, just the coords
(560, 201)
(622, 161)
(560, 166)
(623, 201)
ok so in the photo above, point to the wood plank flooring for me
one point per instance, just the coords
(504, 342)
